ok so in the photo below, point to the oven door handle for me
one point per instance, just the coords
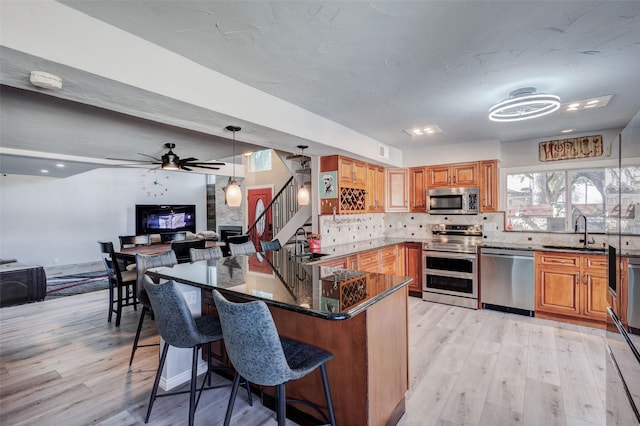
(450, 255)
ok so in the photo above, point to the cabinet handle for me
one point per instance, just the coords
(578, 278)
(454, 179)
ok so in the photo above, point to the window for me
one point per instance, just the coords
(260, 161)
(553, 200)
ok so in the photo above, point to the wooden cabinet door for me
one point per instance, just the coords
(595, 287)
(388, 260)
(489, 186)
(557, 283)
(558, 291)
(336, 263)
(413, 267)
(345, 171)
(375, 188)
(417, 189)
(359, 173)
(397, 190)
(465, 174)
(438, 176)
(594, 295)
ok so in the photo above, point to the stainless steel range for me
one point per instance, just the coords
(450, 265)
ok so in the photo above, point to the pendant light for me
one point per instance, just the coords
(233, 195)
(303, 192)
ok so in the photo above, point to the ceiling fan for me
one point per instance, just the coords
(170, 161)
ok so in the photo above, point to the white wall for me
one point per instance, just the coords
(54, 222)
(426, 155)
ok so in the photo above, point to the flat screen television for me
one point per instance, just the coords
(159, 219)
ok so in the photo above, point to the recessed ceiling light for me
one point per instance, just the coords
(566, 131)
(590, 103)
(60, 165)
(430, 129)
(44, 171)
(524, 104)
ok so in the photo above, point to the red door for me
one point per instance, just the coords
(258, 200)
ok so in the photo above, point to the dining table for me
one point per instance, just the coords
(360, 317)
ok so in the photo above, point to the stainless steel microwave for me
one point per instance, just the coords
(453, 200)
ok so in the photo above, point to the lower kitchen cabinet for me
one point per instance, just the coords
(571, 287)
(413, 267)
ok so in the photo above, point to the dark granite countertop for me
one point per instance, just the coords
(279, 280)
(558, 248)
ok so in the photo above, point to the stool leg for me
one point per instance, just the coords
(249, 394)
(135, 341)
(327, 394)
(119, 305)
(232, 399)
(110, 299)
(281, 405)
(163, 357)
(192, 394)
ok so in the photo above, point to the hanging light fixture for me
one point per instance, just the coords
(524, 104)
(233, 194)
(303, 192)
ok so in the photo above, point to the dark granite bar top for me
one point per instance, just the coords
(288, 283)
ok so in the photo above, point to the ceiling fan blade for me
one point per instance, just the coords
(130, 160)
(204, 167)
(145, 155)
(206, 164)
(188, 160)
(182, 167)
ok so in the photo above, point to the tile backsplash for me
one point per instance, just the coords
(343, 229)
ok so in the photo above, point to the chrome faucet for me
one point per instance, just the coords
(299, 245)
(585, 239)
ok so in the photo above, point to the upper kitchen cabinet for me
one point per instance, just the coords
(417, 189)
(397, 190)
(489, 186)
(375, 188)
(451, 175)
(352, 173)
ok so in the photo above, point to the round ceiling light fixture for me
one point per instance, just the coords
(524, 104)
(45, 80)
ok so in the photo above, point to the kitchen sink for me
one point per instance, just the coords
(578, 248)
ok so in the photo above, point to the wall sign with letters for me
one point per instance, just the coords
(571, 149)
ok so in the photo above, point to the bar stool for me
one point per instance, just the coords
(143, 263)
(242, 248)
(273, 245)
(205, 254)
(262, 357)
(179, 329)
(119, 281)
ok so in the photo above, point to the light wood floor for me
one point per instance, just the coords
(62, 363)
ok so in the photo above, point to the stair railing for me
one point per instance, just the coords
(282, 207)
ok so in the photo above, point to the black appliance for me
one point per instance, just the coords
(623, 338)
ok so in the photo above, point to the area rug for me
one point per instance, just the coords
(76, 284)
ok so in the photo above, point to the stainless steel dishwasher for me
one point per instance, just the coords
(506, 280)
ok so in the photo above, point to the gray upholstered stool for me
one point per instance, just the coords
(144, 262)
(262, 357)
(273, 245)
(179, 329)
(242, 248)
(205, 254)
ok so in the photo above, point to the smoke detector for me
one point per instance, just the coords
(45, 80)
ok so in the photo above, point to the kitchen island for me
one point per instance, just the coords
(360, 317)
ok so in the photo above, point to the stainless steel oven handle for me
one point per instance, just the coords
(450, 255)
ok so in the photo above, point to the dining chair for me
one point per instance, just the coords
(173, 236)
(127, 241)
(122, 283)
(273, 245)
(262, 357)
(143, 263)
(242, 248)
(178, 328)
(205, 254)
(181, 249)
